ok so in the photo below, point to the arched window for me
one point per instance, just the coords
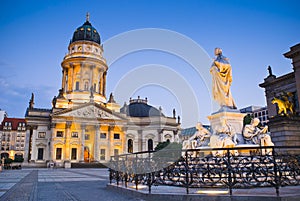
(130, 146)
(150, 145)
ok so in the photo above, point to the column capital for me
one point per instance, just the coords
(124, 128)
(111, 127)
(34, 127)
(68, 124)
(52, 125)
(83, 126)
(97, 126)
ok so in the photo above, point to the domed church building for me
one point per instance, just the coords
(82, 126)
(147, 125)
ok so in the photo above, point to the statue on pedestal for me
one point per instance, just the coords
(285, 104)
(222, 78)
(255, 135)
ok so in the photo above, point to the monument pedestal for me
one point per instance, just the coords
(285, 131)
(233, 117)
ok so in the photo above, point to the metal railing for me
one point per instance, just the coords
(244, 167)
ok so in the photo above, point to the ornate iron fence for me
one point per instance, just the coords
(244, 167)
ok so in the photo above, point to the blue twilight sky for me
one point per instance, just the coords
(253, 34)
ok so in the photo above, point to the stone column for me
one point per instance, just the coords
(51, 145)
(96, 143)
(70, 81)
(91, 76)
(104, 83)
(109, 141)
(33, 147)
(101, 84)
(81, 85)
(28, 144)
(99, 81)
(160, 132)
(63, 82)
(124, 139)
(140, 140)
(67, 141)
(83, 126)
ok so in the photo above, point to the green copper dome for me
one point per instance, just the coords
(86, 32)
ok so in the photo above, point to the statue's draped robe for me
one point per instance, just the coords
(221, 82)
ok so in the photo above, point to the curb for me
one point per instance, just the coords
(195, 197)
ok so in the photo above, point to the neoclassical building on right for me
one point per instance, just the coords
(282, 96)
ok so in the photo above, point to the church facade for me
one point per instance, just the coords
(82, 125)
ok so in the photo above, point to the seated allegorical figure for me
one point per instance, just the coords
(198, 139)
(224, 136)
(255, 135)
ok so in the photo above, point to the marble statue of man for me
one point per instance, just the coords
(221, 80)
(256, 135)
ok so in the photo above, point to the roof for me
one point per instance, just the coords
(86, 32)
(250, 109)
(188, 131)
(140, 108)
(192, 130)
(14, 122)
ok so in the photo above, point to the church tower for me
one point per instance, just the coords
(83, 69)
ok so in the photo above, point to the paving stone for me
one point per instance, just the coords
(91, 184)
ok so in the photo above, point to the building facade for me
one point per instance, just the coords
(284, 128)
(147, 126)
(13, 134)
(257, 112)
(82, 126)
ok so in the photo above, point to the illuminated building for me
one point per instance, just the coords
(82, 125)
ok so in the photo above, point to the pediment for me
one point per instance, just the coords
(41, 145)
(89, 111)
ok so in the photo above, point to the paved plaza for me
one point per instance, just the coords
(164, 193)
(58, 185)
(91, 184)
